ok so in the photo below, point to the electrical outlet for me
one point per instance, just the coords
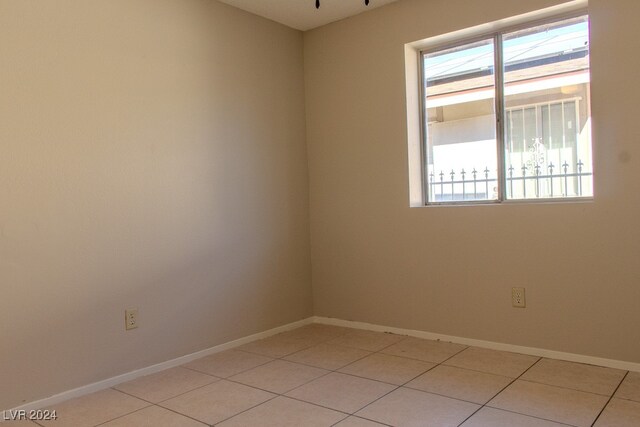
(517, 297)
(131, 318)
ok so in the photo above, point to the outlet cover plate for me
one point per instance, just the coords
(131, 318)
(517, 297)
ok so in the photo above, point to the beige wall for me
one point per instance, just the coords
(450, 270)
(152, 155)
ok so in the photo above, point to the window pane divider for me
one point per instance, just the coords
(500, 116)
(422, 92)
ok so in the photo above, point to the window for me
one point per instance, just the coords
(507, 116)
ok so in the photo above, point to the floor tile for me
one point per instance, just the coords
(328, 356)
(387, 368)
(228, 363)
(406, 407)
(463, 384)
(154, 416)
(357, 422)
(630, 387)
(427, 350)
(305, 338)
(490, 417)
(94, 409)
(577, 376)
(165, 384)
(620, 413)
(562, 405)
(342, 392)
(492, 361)
(218, 401)
(367, 340)
(284, 412)
(279, 376)
(321, 331)
(275, 346)
(335, 376)
(309, 335)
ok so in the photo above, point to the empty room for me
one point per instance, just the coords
(349, 213)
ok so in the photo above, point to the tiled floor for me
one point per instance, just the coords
(322, 375)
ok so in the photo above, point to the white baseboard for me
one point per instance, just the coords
(551, 354)
(110, 382)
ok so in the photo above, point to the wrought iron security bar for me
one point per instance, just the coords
(532, 183)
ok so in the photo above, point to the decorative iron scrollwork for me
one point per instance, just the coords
(537, 155)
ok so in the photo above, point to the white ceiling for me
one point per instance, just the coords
(302, 14)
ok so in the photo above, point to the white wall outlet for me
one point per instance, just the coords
(517, 297)
(131, 318)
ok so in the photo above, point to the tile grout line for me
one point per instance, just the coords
(568, 388)
(380, 351)
(276, 395)
(184, 415)
(362, 418)
(217, 379)
(609, 401)
(450, 397)
(172, 397)
(245, 410)
(329, 371)
(501, 390)
(559, 387)
(123, 415)
(158, 404)
(396, 387)
(530, 416)
(336, 371)
(237, 373)
(357, 376)
(374, 401)
(348, 414)
(404, 384)
(332, 370)
(151, 404)
(400, 386)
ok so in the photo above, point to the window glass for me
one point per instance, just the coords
(546, 75)
(461, 123)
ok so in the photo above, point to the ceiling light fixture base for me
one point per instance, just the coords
(366, 3)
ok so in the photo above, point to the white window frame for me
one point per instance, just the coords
(500, 110)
